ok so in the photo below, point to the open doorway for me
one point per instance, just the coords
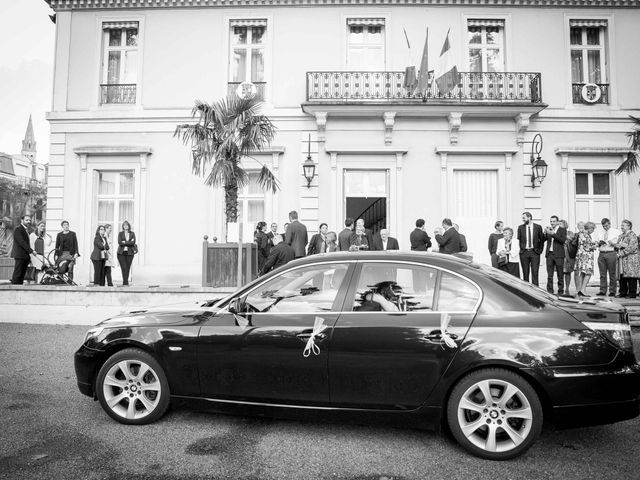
(366, 194)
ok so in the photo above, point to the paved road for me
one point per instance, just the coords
(48, 430)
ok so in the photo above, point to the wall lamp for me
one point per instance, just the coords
(308, 167)
(538, 165)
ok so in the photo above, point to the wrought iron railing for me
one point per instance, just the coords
(375, 215)
(260, 88)
(390, 86)
(591, 95)
(118, 93)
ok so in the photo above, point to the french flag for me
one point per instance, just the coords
(446, 72)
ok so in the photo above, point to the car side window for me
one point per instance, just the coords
(306, 289)
(456, 294)
(393, 287)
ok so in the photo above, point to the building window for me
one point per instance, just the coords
(588, 61)
(115, 198)
(485, 45)
(593, 199)
(119, 62)
(365, 44)
(248, 41)
(251, 201)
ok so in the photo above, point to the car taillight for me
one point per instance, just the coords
(619, 333)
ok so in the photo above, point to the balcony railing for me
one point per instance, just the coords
(591, 94)
(389, 86)
(118, 93)
(260, 88)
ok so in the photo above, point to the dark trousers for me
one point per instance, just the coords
(607, 264)
(125, 265)
(98, 272)
(511, 268)
(530, 261)
(557, 264)
(107, 275)
(628, 286)
(19, 270)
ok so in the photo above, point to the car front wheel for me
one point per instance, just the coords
(132, 387)
(494, 414)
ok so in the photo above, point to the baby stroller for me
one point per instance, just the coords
(54, 273)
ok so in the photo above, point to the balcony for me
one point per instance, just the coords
(232, 87)
(590, 95)
(389, 87)
(120, 93)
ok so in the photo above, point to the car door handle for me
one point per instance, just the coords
(306, 335)
(437, 335)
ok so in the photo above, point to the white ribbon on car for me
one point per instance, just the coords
(445, 318)
(318, 328)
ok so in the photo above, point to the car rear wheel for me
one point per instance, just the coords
(132, 387)
(494, 414)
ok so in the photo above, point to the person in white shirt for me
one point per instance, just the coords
(506, 247)
(607, 258)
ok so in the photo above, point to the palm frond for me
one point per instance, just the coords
(630, 164)
(268, 180)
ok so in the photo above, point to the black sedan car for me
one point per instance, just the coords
(428, 338)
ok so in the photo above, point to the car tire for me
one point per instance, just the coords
(499, 429)
(132, 387)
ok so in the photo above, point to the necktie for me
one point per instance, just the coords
(528, 236)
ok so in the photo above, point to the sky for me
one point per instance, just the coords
(27, 41)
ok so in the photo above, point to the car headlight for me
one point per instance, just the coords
(94, 332)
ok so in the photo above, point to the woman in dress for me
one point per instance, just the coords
(569, 254)
(99, 255)
(628, 260)
(127, 248)
(41, 243)
(358, 240)
(506, 247)
(584, 258)
(262, 241)
(493, 242)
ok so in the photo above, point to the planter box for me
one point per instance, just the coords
(220, 264)
(6, 268)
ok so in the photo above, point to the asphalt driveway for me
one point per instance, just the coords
(48, 430)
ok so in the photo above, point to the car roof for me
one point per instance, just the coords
(429, 258)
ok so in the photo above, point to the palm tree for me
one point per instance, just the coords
(630, 165)
(225, 132)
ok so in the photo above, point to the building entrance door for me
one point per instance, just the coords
(475, 208)
(366, 194)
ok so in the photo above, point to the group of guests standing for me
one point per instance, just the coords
(276, 249)
(31, 249)
(568, 253)
(102, 256)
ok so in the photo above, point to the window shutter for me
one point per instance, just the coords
(588, 23)
(366, 22)
(259, 22)
(113, 25)
(486, 23)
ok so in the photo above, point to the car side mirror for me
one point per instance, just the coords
(236, 306)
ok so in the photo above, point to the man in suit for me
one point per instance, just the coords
(463, 239)
(296, 235)
(318, 243)
(345, 235)
(419, 239)
(384, 241)
(607, 257)
(279, 255)
(531, 240)
(21, 250)
(368, 233)
(449, 241)
(555, 238)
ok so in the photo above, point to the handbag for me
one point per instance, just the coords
(502, 260)
(104, 254)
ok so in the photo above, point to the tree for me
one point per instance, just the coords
(630, 165)
(225, 132)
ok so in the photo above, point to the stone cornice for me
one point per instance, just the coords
(61, 5)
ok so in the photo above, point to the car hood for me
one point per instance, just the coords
(167, 315)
